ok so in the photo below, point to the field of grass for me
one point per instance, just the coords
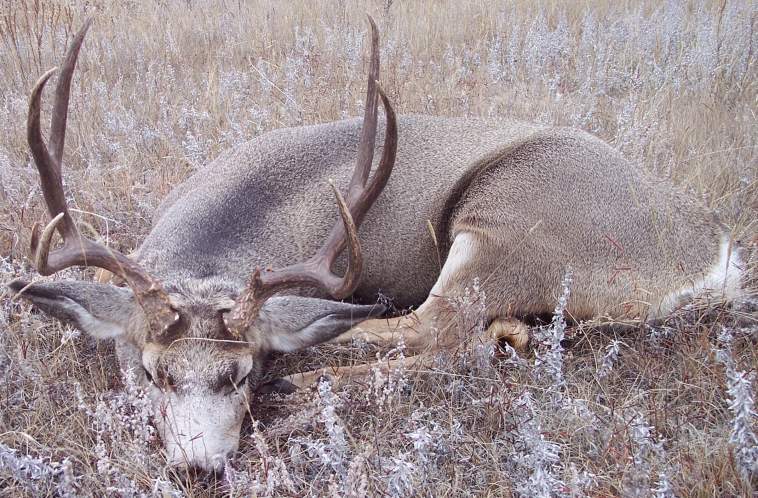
(163, 86)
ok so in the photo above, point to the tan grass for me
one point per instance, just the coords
(165, 85)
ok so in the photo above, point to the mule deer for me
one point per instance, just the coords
(511, 203)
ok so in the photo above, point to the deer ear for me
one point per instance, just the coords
(289, 323)
(101, 310)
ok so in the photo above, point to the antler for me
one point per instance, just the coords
(317, 271)
(77, 250)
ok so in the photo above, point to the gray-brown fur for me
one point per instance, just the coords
(267, 202)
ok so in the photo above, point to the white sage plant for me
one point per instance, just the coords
(742, 406)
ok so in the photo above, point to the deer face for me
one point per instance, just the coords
(199, 394)
(197, 374)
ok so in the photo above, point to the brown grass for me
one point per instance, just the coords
(165, 85)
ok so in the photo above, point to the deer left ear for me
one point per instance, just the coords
(101, 310)
(290, 323)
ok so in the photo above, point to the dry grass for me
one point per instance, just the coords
(165, 85)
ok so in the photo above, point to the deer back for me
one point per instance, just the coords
(267, 202)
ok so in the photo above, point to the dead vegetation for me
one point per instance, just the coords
(164, 86)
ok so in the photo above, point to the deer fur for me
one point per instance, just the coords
(534, 202)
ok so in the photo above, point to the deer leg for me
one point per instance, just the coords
(429, 325)
(342, 375)
(385, 331)
(513, 331)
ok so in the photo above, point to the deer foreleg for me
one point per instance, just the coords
(344, 374)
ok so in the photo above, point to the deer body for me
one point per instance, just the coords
(267, 202)
(245, 257)
(539, 201)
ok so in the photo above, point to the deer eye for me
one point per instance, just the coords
(148, 375)
(241, 382)
(237, 387)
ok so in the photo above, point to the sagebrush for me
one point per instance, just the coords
(165, 85)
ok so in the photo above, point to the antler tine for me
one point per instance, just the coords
(316, 272)
(63, 92)
(356, 207)
(368, 131)
(49, 169)
(77, 250)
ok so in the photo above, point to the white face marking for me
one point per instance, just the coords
(199, 429)
(199, 421)
(723, 280)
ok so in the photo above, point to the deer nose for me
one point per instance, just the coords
(214, 464)
(218, 462)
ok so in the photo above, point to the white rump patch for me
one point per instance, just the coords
(723, 281)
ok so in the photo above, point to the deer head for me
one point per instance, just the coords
(199, 344)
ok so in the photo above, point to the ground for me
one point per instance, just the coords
(164, 86)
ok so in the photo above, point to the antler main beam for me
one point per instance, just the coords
(362, 193)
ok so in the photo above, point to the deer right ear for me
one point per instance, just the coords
(101, 310)
(291, 323)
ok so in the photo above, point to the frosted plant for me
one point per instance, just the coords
(294, 74)
(272, 476)
(194, 148)
(386, 388)
(513, 358)
(400, 476)
(356, 482)
(67, 481)
(265, 85)
(580, 482)
(646, 452)
(750, 333)
(609, 359)
(470, 312)
(238, 482)
(429, 438)
(664, 488)
(335, 452)
(625, 139)
(513, 51)
(69, 334)
(121, 422)
(36, 474)
(165, 489)
(260, 116)
(536, 460)
(587, 42)
(330, 456)
(548, 364)
(33, 473)
(660, 334)
(738, 39)
(535, 45)
(409, 471)
(448, 59)
(406, 62)
(742, 406)
(494, 53)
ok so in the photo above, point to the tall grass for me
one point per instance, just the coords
(165, 85)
